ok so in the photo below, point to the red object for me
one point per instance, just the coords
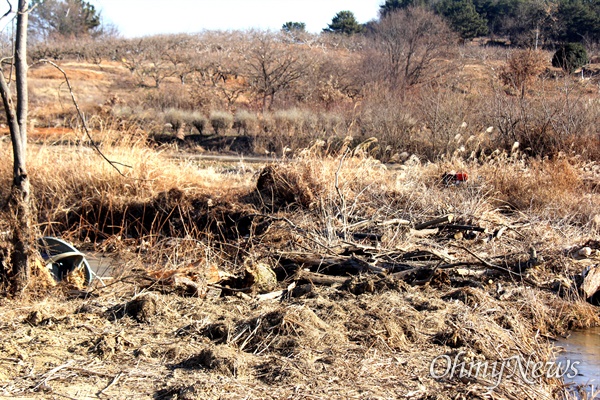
(461, 177)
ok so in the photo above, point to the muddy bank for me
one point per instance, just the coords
(169, 214)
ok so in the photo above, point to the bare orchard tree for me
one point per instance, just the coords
(273, 65)
(406, 43)
(181, 52)
(146, 59)
(19, 200)
(217, 79)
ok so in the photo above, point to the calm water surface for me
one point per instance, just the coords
(583, 346)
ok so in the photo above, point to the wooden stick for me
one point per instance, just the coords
(321, 279)
(446, 219)
(395, 221)
(464, 228)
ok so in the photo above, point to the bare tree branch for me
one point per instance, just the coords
(83, 123)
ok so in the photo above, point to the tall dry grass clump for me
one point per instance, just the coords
(549, 189)
(67, 177)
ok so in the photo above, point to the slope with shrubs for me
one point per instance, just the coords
(336, 86)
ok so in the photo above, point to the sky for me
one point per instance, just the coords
(134, 18)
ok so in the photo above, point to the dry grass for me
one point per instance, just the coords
(67, 177)
(335, 342)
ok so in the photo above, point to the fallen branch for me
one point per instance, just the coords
(499, 268)
(442, 220)
(320, 279)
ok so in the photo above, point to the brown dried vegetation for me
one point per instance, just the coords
(358, 301)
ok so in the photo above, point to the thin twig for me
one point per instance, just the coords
(51, 373)
(83, 123)
(112, 383)
(497, 267)
(6, 14)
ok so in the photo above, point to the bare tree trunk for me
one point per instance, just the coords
(19, 202)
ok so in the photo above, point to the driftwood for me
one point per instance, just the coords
(591, 282)
(320, 279)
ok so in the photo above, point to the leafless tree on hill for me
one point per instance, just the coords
(405, 45)
(272, 66)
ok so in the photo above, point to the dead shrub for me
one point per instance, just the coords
(245, 122)
(522, 68)
(221, 121)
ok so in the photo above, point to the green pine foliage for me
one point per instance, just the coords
(64, 18)
(393, 5)
(578, 19)
(344, 22)
(570, 56)
(291, 26)
(463, 18)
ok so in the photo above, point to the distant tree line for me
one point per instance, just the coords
(523, 22)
